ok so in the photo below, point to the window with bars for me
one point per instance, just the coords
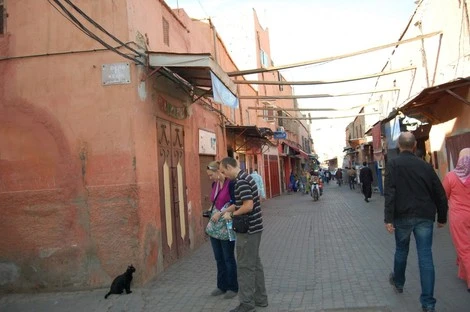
(2, 17)
(279, 78)
(166, 31)
(264, 59)
(280, 121)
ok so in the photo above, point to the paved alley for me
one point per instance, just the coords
(330, 255)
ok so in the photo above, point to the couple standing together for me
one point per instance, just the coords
(235, 193)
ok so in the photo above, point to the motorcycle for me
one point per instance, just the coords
(315, 191)
(302, 187)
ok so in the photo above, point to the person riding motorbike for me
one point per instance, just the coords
(319, 183)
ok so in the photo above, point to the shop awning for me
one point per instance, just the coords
(250, 131)
(297, 150)
(431, 104)
(303, 154)
(201, 71)
(249, 137)
(355, 142)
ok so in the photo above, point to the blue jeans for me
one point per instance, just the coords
(422, 230)
(224, 253)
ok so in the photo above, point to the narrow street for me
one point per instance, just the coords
(330, 255)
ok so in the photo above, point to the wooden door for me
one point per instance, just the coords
(454, 145)
(206, 183)
(274, 174)
(206, 187)
(172, 186)
(267, 177)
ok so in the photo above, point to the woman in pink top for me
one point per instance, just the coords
(223, 248)
(457, 187)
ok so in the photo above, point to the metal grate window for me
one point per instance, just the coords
(280, 121)
(166, 31)
(2, 17)
(279, 78)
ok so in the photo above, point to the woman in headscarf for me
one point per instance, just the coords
(457, 186)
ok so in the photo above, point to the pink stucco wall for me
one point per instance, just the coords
(79, 191)
(68, 191)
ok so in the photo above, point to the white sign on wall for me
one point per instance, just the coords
(207, 142)
(116, 73)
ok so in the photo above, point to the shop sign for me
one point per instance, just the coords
(178, 112)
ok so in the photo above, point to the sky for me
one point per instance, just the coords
(305, 30)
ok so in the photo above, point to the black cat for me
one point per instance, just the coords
(122, 282)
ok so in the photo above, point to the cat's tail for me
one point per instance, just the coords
(107, 295)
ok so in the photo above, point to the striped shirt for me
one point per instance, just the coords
(246, 189)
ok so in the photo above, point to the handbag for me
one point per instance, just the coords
(241, 223)
(217, 229)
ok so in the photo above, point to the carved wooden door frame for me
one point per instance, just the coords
(172, 190)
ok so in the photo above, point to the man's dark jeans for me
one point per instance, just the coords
(352, 183)
(226, 265)
(422, 230)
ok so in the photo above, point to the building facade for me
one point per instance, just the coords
(105, 137)
(433, 99)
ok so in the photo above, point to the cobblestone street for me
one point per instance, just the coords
(330, 255)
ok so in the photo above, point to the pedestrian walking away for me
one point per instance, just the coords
(413, 194)
(366, 178)
(259, 183)
(252, 289)
(339, 176)
(457, 187)
(352, 178)
(292, 185)
(222, 246)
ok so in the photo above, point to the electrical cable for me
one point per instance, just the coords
(89, 33)
(100, 27)
(65, 16)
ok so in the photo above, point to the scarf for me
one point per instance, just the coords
(462, 170)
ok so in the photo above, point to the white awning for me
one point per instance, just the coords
(194, 68)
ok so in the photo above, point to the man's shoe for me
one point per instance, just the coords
(243, 308)
(230, 294)
(217, 292)
(429, 310)
(262, 305)
(366, 200)
(392, 282)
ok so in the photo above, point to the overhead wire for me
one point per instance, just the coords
(92, 35)
(400, 39)
(100, 27)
